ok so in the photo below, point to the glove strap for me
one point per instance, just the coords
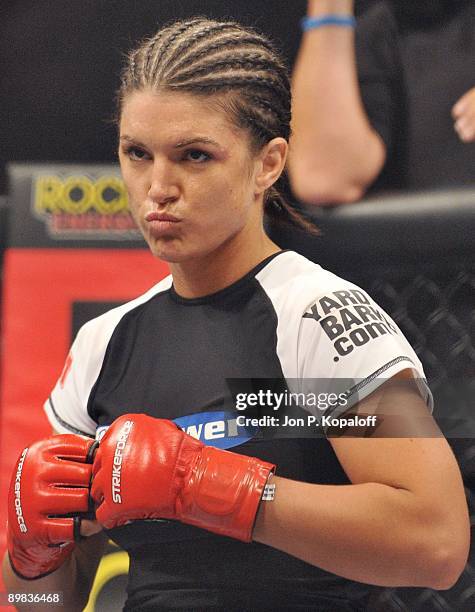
(223, 493)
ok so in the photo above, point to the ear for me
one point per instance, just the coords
(271, 160)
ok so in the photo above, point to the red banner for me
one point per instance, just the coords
(40, 286)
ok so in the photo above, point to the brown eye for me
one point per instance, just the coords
(136, 154)
(197, 156)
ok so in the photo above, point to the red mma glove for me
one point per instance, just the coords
(49, 490)
(149, 468)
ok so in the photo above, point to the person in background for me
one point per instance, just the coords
(383, 102)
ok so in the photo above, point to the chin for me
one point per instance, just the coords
(182, 251)
(170, 253)
(174, 255)
(166, 250)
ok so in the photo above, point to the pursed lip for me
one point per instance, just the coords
(163, 217)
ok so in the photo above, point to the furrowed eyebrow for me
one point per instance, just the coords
(191, 141)
(132, 140)
(178, 145)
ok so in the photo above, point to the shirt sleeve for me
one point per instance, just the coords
(66, 407)
(348, 347)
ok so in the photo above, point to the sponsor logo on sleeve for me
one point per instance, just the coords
(350, 319)
(67, 367)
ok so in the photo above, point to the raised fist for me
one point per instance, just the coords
(149, 468)
(49, 492)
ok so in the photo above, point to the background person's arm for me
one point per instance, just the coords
(335, 153)
(463, 114)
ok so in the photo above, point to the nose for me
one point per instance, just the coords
(163, 186)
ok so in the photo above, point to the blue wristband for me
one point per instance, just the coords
(311, 23)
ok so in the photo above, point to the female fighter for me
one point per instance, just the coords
(218, 505)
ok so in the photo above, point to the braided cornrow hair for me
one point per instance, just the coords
(208, 57)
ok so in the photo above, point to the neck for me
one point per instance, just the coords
(215, 271)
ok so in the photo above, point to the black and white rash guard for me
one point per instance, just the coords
(287, 320)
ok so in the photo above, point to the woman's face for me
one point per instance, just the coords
(190, 174)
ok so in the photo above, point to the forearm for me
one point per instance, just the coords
(335, 153)
(72, 579)
(370, 532)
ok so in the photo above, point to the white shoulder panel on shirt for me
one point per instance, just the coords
(330, 329)
(66, 408)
